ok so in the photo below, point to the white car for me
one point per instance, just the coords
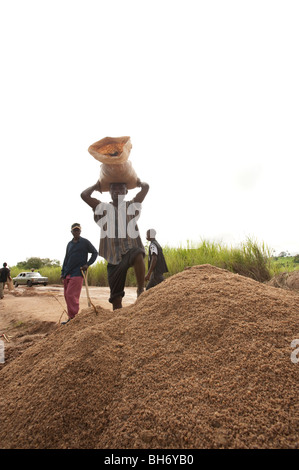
(29, 279)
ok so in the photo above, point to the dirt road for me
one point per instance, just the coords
(28, 314)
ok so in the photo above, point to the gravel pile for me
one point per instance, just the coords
(201, 361)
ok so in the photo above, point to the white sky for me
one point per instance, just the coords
(207, 90)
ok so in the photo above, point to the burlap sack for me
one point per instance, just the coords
(113, 153)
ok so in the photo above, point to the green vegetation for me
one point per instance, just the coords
(53, 274)
(47, 267)
(37, 263)
(284, 264)
(249, 259)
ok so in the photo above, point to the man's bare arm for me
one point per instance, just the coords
(152, 266)
(86, 195)
(144, 190)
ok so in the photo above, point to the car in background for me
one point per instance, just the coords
(30, 279)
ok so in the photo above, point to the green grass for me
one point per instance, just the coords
(283, 264)
(249, 259)
(52, 273)
(97, 274)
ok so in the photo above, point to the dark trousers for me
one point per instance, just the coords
(117, 273)
(154, 280)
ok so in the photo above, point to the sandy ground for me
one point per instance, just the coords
(28, 314)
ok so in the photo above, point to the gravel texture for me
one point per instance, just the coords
(201, 361)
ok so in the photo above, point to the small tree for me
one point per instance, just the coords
(37, 263)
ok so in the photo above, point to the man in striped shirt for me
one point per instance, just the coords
(120, 242)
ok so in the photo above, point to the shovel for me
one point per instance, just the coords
(90, 304)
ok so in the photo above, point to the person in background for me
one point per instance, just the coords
(76, 259)
(120, 243)
(156, 262)
(4, 276)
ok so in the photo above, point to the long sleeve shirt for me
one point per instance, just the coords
(77, 256)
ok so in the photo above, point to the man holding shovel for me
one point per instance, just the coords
(76, 261)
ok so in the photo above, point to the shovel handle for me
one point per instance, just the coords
(87, 292)
(86, 287)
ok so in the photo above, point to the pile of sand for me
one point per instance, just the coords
(201, 361)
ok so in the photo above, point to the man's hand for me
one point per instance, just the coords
(85, 267)
(147, 277)
(86, 195)
(140, 184)
(144, 190)
(97, 187)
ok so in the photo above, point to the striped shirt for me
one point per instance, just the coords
(119, 230)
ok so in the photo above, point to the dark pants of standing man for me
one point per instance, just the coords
(154, 280)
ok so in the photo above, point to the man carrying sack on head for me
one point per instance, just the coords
(120, 243)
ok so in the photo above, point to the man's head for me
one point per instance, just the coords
(118, 191)
(4, 265)
(76, 230)
(151, 234)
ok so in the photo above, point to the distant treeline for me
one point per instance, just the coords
(37, 263)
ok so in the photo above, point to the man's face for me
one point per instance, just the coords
(150, 235)
(118, 190)
(76, 233)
